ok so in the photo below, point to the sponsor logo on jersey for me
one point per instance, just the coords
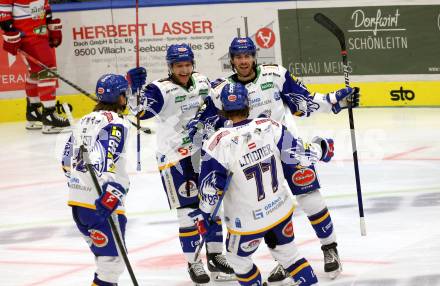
(250, 246)
(258, 214)
(303, 177)
(108, 115)
(288, 230)
(40, 30)
(180, 98)
(232, 98)
(274, 205)
(183, 151)
(237, 223)
(99, 239)
(188, 189)
(100, 90)
(203, 92)
(217, 139)
(266, 85)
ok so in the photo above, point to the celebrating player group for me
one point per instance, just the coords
(230, 141)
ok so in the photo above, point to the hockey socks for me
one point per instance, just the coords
(189, 239)
(253, 277)
(98, 282)
(322, 223)
(302, 271)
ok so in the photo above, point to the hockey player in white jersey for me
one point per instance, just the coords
(104, 134)
(275, 93)
(257, 205)
(174, 101)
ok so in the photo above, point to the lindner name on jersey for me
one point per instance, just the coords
(256, 155)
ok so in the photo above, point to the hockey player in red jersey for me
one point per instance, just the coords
(28, 25)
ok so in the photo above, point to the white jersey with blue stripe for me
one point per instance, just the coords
(173, 106)
(257, 199)
(273, 93)
(104, 134)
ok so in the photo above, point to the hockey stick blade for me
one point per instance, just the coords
(332, 27)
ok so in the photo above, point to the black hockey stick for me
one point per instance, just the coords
(84, 92)
(339, 34)
(221, 195)
(121, 247)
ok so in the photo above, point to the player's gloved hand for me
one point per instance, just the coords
(111, 197)
(54, 27)
(12, 41)
(341, 99)
(195, 128)
(136, 78)
(205, 226)
(327, 146)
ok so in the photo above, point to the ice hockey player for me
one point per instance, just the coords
(104, 134)
(28, 25)
(275, 93)
(174, 101)
(257, 205)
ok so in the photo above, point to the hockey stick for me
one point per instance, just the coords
(90, 169)
(138, 120)
(214, 213)
(339, 34)
(146, 130)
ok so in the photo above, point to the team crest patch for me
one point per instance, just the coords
(99, 239)
(303, 177)
(188, 189)
(250, 246)
(288, 230)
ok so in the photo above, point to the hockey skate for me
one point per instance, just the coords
(332, 263)
(219, 267)
(53, 123)
(33, 115)
(277, 276)
(197, 273)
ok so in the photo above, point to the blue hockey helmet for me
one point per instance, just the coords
(234, 96)
(110, 86)
(242, 46)
(179, 53)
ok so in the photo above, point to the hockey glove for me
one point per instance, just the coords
(327, 146)
(109, 200)
(341, 99)
(55, 35)
(136, 77)
(205, 225)
(12, 41)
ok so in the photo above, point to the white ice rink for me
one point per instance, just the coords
(399, 153)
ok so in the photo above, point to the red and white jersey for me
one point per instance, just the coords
(29, 16)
